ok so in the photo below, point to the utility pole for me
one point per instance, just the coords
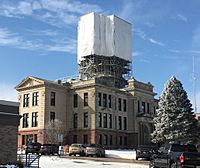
(194, 84)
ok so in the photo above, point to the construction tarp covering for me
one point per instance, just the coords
(104, 35)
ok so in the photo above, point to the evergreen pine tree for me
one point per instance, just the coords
(174, 120)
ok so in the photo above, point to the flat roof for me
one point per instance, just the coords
(9, 103)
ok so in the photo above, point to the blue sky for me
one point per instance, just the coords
(39, 38)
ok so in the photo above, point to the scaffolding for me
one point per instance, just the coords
(112, 71)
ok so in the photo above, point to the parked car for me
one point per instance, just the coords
(145, 151)
(33, 148)
(75, 149)
(95, 150)
(176, 156)
(48, 149)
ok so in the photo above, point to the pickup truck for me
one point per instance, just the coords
(176, 156)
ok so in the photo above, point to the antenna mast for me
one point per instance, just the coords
(194, 84)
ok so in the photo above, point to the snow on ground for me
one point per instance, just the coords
(126, 154)
(56, 162)
(53, 161)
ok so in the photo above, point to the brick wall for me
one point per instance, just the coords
(8, 143)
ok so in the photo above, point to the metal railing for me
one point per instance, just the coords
(29, 160)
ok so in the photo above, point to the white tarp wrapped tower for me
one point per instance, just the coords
(104, 48)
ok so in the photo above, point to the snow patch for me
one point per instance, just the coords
(55, 161)
(125, 154)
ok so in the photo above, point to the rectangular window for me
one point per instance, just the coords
(85, 99)
(143, 107)
(115, 122)
(116, 140)
(52, 116)
(35, 137)
(105, 120)
(29, 138)
(85, 125)
(148, 108)
(23, 139)
(100, 119)
(75, 100)
(125, 123)
(85, 139)
(125, 141)
(34, 119)
(124, 105)
(35, 98)
(99, 99)
(110, 120)
(139, 106)
(100, 139)
(75, 139)
(26, 100)
(119, 104)
(105, 139)
(120, 140)
(53, 99)
(104, 100)
(115, 103)
(25, 120)
(111, 140)
(75, 120)
(120, 122)
(109, 101)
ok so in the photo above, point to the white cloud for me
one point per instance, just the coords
(194, 51)
(64, 45)
(22, 8)
(57, 12)
(46, 32)
(174, 51)
(144, 60)
(8, 38)
(151, 25)
(127, 9)
(25, 8)
(140, 33)
(144, 12)
(136, 54)
(36, 5)
(182, 18)
(68, 19)
(8, 92)
(69, 6)
(140, 57)
(196, 38)
(143, 35)
(156, 42)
